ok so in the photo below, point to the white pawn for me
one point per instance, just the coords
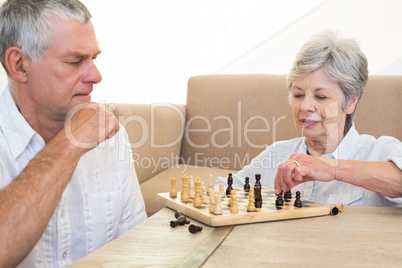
(211, 183)
(222, 190)
(218, 205)
(204, 195)
(212, 201)
(233, 207)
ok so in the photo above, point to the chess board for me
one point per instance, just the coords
(268, 212)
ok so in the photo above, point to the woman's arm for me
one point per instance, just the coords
(382, 177)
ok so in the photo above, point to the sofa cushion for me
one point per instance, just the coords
(232, 118)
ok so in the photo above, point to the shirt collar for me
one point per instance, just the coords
(347, 145)
(15, 128)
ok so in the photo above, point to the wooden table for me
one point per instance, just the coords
(358, 237)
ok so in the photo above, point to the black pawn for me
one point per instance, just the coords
(230, 183)
(279, 200)
(194, 228)
(298, 202)
(257, 191)
(247, 185)
(174, 223)
(288, 195)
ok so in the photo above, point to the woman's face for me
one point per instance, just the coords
(317, 108)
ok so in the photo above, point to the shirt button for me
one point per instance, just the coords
(64, 255)
(62, 213)
(308, 196)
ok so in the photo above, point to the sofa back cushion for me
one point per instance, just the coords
(231, 118)
(155, 133)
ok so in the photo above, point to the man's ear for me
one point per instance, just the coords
(17, 64)
(350, 107)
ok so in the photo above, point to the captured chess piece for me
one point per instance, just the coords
(247, 184)
(279, 200)
(230, 183)
(177, 215)
(298, 202)
(257, 191)
(173, 190)
(194, 228)
(181, 220)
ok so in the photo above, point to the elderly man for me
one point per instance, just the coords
(67, 183)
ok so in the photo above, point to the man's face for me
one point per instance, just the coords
(66, 75)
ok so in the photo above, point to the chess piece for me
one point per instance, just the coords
(288, 195)
(234, 208)
(191, 189)
(204, 195)
(298, 202)
(334, 210)
(279, 200)
(222, 190)
(218, 205)
(257, 191)
(211, 183)
(247, 185)
(212, 201)
(173, 190)
(230, 199)
(181, 220)
(194, 228)
(230, 183)
(197, 203)
(251, 206)
(184, 193)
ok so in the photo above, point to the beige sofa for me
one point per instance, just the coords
(228, 120)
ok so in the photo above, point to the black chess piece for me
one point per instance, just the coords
(298, 202)
(194, 228)
(247, 185)
(288, 195)
(279, 200)
(230, 183)
(257, 191)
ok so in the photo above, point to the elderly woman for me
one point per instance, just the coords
(331, 163)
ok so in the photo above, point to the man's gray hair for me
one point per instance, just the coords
(341, 59)
(26, 24)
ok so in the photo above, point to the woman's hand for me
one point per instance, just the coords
(301, 168)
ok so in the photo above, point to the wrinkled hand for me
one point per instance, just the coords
(301, 168)
(89, 124)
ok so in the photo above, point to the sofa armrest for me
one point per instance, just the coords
(155, 133)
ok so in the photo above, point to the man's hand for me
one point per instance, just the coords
(88, 125)
(300, 168)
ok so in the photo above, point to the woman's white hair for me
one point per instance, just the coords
(340, 58)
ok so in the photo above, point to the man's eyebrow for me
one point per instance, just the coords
(81, 55)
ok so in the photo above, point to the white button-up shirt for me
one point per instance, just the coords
(352, 147)
(101, 202)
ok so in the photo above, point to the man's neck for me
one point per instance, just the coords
(44, 123)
